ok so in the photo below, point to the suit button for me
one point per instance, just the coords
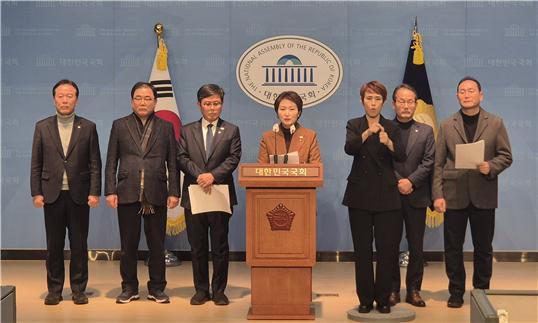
(379, 174)
(363, 156)
(65, 161)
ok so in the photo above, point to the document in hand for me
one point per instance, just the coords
(217, 200)
(293, 158)
(468, 156)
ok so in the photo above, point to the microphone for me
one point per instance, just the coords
(275, 130)
(292, 130)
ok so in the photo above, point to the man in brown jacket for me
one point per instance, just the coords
(469, 194)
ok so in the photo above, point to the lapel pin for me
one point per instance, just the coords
(78, 126)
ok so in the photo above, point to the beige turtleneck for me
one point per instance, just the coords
(65, 127)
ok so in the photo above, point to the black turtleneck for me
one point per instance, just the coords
(405, 130)
(470, 123)
(287, 136)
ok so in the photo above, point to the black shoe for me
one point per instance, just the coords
(200, 298)
(127, 296)
(394, 298)
(365, 308)
(384, 309)
(53, 299)
(220, 299)
(413, 298)
(80, 298)
(455, 301)
(158, 296)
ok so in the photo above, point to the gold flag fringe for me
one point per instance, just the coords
(433, 218)
(175, 226)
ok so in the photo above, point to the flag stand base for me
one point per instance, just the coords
(170, 259)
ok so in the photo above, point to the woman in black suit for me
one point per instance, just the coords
(372, 197)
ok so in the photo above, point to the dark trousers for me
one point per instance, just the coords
(198, 226)
(62, 214)
(155, 230)
(385, 228)
(415, 224)
(482, 223)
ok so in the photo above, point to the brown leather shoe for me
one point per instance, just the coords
(413, 298)
(394, 298)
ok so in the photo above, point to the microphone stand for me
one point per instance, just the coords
(275, 156)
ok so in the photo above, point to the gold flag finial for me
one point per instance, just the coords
(158, 29)
(162, 56)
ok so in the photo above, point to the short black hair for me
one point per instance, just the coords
(374, 87)
(62, 82)
(469, 78)
(403, 86)
(293, 97)
(139, 85)
(208, 90)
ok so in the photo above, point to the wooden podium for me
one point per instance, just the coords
(281, 237)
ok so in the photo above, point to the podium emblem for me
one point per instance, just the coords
(280, 218)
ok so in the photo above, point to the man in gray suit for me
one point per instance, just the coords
(469, 194)
(414, 184)
(144, 146)
(209, 152)
(66, 181)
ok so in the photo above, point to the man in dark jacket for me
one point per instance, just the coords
(144, 146)
(66, 182)
(209, 152)
(414, 183)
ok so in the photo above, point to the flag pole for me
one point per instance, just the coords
(170, 259)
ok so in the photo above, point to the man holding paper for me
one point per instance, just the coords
(469, 194)
(209, 151)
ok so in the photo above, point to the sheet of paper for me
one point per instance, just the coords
(293, 158)
(217, 200)
(468, 156)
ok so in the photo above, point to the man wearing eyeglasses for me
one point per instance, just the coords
(469, 194)
(141, 181)
(66, 183)
(209, 152)
(414, 184)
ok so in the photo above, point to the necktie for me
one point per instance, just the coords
(208, 140)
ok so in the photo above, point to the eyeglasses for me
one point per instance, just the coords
(404, 102)
(143, 98)
(215, 104)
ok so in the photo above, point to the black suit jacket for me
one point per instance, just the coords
(372, 184)
(82, 162)
(418, 166)
(222, 161)
(158, 158)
